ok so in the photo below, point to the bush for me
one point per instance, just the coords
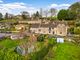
(77, 30)
(71, 30)
(41, 38)
(78, 23)
(52, 41)
(9, 54)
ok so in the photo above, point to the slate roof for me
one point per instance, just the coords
(50, 24)
(34, 25)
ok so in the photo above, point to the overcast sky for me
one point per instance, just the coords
(16, 6)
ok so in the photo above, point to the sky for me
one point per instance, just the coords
(17, 6)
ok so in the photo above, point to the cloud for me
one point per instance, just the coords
(59, 6)
(16, 8)
(1, 1)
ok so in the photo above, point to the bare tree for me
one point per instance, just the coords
(46, 12)
(53, 12)
(41, 12)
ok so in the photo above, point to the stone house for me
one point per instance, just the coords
(30, 22)
(5, 26)
(19, 26)
(53, 28)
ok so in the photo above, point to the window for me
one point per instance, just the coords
(60, 32)
(53, 32)
(33, 31)
(49, 29)
(39, 30)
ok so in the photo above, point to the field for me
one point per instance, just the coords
(65, 51)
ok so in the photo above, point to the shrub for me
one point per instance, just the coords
(41, 38)
(52, 41)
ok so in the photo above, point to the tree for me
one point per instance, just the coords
(41, 38)
(62, 14)
(77, 23)
(41, 12)
(71, 15)
(36, 15)
(46, 12)
(6, 16)
(76, 9)
(1, 16)
(10, 16)
(71, 30)
(52, 11)
(25, 15)
(77, 30)
(66, 15)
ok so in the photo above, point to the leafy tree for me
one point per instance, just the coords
(25, 15)
(1, 16)
(71, 23)
(74, 30)
(6, 16)
(62, 14)
(76, 9)
(71, 30)
(71, 15)
(36, 15)
(77, 30)
(77, 23)
(66, 15)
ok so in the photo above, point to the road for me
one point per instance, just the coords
(6, 34)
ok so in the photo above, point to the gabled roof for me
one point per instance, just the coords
(50, 24)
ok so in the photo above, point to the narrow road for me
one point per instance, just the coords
(6, 34)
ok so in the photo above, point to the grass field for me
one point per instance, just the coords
(64, 51)
(67, 51)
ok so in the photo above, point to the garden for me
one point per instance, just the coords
(46, 49)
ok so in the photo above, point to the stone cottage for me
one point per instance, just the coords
(53, 28)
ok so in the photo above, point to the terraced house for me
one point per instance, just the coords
(53, 28)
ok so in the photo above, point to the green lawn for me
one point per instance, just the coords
(10, 20)
(8, 43)
(7, 47)
(66, 51)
